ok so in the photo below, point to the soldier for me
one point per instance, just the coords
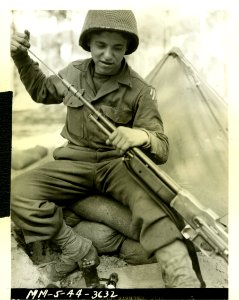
(89, 163)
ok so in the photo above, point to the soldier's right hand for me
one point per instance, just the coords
(20, 43)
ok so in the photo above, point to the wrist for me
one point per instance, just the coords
(19, 54)
(147, 143)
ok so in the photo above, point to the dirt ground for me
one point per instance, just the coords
(27, 270)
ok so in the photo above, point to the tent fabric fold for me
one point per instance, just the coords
(196, 122)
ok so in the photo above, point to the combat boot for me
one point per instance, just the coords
(74, 249)
(176, 266)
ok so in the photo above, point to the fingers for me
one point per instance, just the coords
(124, 138)
(120, 143)
(20, 42)
(27, 33)
(119, 140)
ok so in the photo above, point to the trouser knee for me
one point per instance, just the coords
(23, 193)
(17, 191)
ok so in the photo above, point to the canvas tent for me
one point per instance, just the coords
(195, 120)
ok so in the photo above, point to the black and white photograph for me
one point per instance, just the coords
(120, 178)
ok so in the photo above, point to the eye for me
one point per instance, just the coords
(100, 45)
(118, 48)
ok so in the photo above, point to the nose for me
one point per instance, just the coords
(108, 53)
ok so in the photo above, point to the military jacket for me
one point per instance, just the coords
(125, 99)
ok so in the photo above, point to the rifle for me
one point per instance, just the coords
(202, 225)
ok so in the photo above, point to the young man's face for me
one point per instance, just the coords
(107, 50)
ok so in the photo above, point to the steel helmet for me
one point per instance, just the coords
(111, 20)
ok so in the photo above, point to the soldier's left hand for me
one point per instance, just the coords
(124, 138)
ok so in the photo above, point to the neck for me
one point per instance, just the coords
(98, 75)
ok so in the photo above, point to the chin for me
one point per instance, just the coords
(106, 70)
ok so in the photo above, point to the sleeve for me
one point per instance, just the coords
(41, 88)
(148, 118)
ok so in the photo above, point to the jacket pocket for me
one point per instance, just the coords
(118, 116)
(72, 101)
(75, 117)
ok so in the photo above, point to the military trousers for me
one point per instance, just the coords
(38, 196)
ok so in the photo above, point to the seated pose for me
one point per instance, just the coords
(90, 163)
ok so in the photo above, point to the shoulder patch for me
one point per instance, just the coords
(153, 93)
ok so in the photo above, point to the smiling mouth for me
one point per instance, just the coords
(106, 63)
